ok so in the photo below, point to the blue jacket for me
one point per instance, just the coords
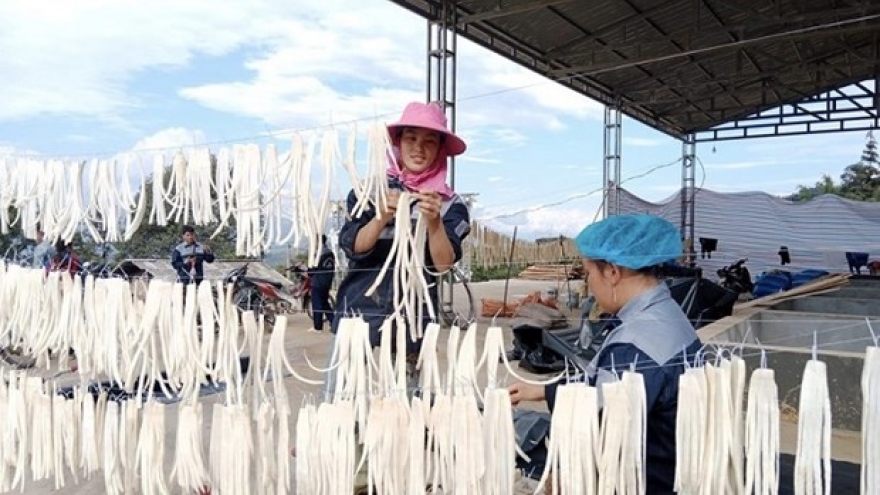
(654, 333)
(184, 251)
(364, 267)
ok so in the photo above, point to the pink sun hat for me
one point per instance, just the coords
(427, 116)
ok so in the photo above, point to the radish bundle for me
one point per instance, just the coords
(189, 469)
(113, 471)
(762, 434)
(812, 467)
(151, 449)
(691, 426)
(870, 478)
(410, 287)
(575, 440)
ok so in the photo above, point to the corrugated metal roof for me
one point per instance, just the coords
(603, 49)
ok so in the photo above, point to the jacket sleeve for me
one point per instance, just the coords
(349, 231)
(176, 259)
(208, 257)
(457, 223)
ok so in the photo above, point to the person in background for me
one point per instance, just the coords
(622, 256)
(65, 259)
(43, 251)
(321, 279)
(188, 257)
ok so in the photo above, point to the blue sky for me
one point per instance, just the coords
(96, 77)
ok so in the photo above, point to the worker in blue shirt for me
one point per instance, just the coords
(647, 327)
(188, 257)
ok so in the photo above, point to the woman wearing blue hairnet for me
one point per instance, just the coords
(621, 257)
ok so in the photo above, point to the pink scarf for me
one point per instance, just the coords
(432, 179)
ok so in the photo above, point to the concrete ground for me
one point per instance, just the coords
(316, 346)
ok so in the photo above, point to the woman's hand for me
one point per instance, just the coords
(524, 392)
(388, 213)
(430, 205)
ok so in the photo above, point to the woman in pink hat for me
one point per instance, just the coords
(422, 143)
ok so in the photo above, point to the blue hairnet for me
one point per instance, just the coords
(631, 241)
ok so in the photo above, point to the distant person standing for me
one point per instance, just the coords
(321, 277)
(188, 257)
(65, 258)
(43, 251)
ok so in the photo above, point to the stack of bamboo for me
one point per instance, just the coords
(554, 272)
(488, 248)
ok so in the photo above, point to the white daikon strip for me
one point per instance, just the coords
(151, 449)
(113, 471)
(812, 467)
(762, 434)
(870, 383)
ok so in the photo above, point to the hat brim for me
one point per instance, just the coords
(453, 144)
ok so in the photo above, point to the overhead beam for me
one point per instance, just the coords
(500, 12)
(593, 69)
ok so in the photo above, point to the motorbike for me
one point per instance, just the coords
(736, 277)
(262, 296)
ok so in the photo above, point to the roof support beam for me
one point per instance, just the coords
(500, 12)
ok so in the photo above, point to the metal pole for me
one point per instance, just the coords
(688, 191)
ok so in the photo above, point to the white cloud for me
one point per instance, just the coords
(495, 179)
(170, 138)
(8, 150)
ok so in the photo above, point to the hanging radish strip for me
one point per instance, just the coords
(128, 443)
(200, 185)
(762, 434)
(100, 413)
(385, 444)
(430, 379)
(812, 466)
(58, 423)
(500, 442)
(359, 186)
(409, 286)
(691, 425)
(113, 474)
(469, 460)
(41, 441)
(177, 194)
(615, 435)
(151, 449)
(737, 452)
(720, 423)
(354, 360)
(379, 154)
(189, 469)
(158, 212)
(320, 207)
(334, 454)
(870, 383)
(416, 453)
(306, 473)
(89, 457)
(272, 207)
(246, 182)
(223, 189)
(282, 448)
(634, 453)
(133, 224)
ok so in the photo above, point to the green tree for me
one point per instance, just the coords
(824, 186)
